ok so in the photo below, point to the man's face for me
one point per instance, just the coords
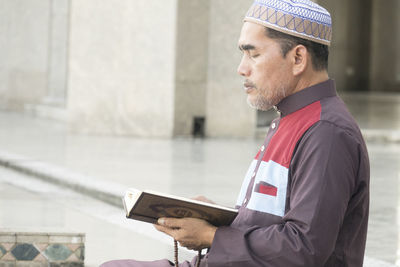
(268, 75)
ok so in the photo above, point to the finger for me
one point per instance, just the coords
(159, 227)
(170, 222)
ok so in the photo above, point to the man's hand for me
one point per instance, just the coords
(194, 234)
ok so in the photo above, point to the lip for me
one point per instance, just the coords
(248, 89)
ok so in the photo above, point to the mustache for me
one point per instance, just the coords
(248, 83)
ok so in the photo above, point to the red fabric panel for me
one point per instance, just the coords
(268, 190)
(291, 128)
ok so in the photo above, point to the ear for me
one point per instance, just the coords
(300, 59)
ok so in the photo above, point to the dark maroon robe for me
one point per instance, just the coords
(305, 198)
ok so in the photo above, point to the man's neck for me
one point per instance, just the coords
(310, 79)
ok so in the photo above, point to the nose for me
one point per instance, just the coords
(243, 68)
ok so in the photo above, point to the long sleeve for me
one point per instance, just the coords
(323, 188)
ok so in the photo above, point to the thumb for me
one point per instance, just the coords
(161, 221)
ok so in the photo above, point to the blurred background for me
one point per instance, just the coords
(152, 69)
(144, 93)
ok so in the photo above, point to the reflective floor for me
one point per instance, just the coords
(48, 206)
(187, 167)
(27, 204)
(384, 224)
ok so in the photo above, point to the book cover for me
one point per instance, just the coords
(148, 206)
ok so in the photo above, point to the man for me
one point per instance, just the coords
(304, 201)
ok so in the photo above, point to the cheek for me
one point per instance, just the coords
(275, 70)
(262, 70)
(266, 75)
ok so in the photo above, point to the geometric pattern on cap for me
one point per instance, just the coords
(301, 18)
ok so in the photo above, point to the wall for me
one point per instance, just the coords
(385, 55)
(122, 67)
(58, 53)
(348, 60)
(228, 114)
(191, 64)
(145, 68)
(24, 27)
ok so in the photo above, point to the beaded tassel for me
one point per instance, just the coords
(176, 255)
(199, 259)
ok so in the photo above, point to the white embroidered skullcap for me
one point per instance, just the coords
(301, 18)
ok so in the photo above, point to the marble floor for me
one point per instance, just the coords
(384, 224)
(30, 205)
(50, 206)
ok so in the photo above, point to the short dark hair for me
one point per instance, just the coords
(319, 52)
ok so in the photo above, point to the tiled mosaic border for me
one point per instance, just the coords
(23, 249)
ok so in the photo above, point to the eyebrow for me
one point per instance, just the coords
(247, 47)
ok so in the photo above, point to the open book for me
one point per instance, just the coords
(148, 206)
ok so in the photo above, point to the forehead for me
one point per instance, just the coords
(253, 34)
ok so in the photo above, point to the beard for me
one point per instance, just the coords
(265, 99)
